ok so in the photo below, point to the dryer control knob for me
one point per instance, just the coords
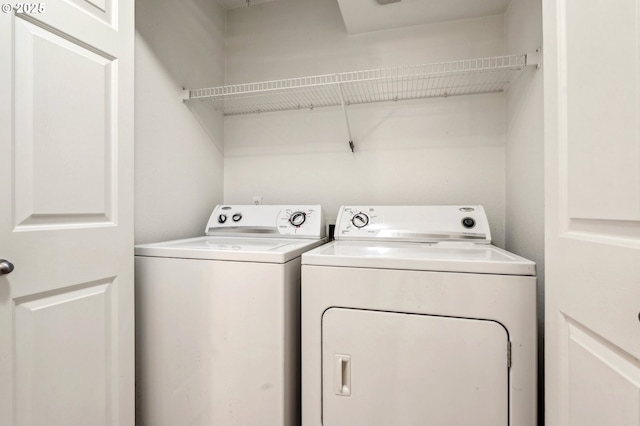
(222, 218)
(297, 219)
(468, 222)
(360, 220)
(236, 217)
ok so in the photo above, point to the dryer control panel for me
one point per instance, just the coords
(413, 223)
(292, 221)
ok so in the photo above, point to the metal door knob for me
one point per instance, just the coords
(6, 267)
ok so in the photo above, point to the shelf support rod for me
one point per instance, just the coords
(344, 110)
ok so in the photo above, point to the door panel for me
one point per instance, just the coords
(592, 144)
(66, 216)
(82, 20)
(610, 395)
(100, 9)
(64, 111)
(601, 119)
(54, 355)
(382, 368)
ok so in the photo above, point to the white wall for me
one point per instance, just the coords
(525, 155)
(178, 150)
(439, 151)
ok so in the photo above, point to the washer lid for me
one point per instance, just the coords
(441, 257)
(242, 249)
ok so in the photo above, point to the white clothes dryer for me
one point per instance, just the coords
(218, 319)
(412, 317)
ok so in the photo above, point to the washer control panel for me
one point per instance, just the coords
(413, 223)
(303, 221)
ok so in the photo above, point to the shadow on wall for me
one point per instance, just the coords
(417, 125)
(186, 36)
(210, 119)
(187, 39)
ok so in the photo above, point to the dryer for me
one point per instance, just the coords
(218, 319)
(412, 317)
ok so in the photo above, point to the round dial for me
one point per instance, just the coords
(468, 222)
(297, 218)
(236, 217)
(222, 218)
(360, 220)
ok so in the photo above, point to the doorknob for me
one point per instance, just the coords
(6, 267)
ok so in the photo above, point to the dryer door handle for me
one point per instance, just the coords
(342, 374)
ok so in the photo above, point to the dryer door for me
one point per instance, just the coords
(383, 368)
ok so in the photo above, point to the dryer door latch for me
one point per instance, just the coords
(342, 375)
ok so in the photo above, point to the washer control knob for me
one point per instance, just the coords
(236, 217)
(222, 218)
(468, 222)
(360, 220)
(297, 218)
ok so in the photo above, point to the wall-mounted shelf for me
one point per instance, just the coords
(464, 77)
(471, 76)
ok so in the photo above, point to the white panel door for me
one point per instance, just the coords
(66, 219)
(592, 132)
(385, 368)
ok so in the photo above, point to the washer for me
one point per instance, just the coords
(412, 317)
(217, 319)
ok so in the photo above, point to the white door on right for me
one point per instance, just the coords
(592, 143)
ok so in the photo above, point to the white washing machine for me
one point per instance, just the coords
(218, 320)
(412, 317)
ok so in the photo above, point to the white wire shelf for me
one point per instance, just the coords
(464, 77)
